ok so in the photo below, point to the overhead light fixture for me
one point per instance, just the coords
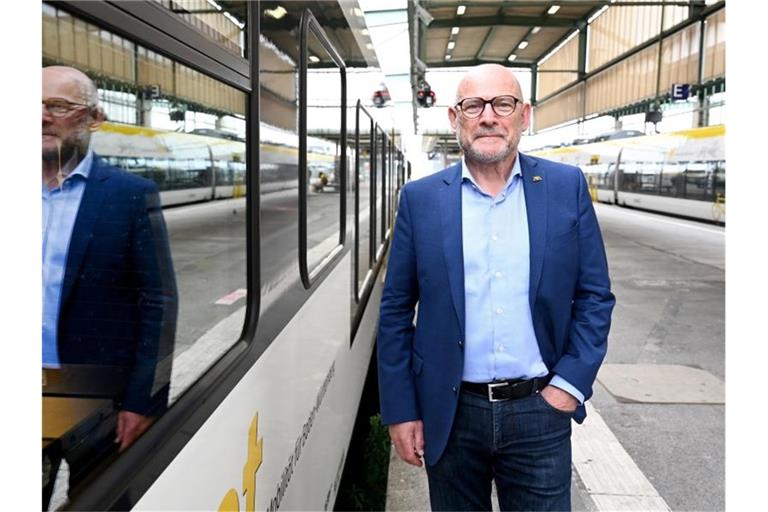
(460, 10)
(357, 12)
(369, 46)
(277, 13)
(553, 9)
(535, 30)
(447, 57)
(364, 32)
(512, 57)
(314, 58)
(523, 45)
(451, 44)
(454, 31)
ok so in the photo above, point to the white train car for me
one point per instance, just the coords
(680, 173)
(279, 281)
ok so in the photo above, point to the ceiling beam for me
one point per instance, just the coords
(488, 37)
(517, 21)
(475, 62)
(427, 4)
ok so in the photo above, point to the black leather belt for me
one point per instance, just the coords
(507, 389)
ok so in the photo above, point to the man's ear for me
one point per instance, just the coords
(97, 119)
(452, 117)
(526, 115)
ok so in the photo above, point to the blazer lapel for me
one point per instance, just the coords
(535, 190)
(87, 214)
(453, 249)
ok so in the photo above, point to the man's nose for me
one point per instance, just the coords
(488, 116)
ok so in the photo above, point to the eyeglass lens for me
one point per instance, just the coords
(60, 107)
(502, 105)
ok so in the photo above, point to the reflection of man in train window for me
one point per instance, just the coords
(109, 292)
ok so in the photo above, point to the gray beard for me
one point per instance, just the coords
(473, 155)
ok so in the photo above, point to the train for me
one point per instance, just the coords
(191, 167)
(680, 173)
(279, 235)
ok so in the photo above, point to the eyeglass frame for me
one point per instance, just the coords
(485, 102)
(71, 106)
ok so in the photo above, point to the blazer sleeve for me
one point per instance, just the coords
(154, 280)
(592, 302)
(396, 330)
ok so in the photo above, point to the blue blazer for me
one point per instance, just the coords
(119, 303)
(420, 367)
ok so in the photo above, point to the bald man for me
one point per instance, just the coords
(109, 292)
(504, 256)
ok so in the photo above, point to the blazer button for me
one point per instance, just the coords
(461, 343)
(454, 389)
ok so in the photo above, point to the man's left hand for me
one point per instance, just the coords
(559, 399)
(130, 426)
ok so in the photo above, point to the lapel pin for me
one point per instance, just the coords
(537, 179)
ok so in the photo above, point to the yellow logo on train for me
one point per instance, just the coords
(231, 501)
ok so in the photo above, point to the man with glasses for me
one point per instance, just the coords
(504, 256)
(109, 292)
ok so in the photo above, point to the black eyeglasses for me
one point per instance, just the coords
(503, 106)
(59, 107)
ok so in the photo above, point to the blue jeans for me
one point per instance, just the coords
(524, 445)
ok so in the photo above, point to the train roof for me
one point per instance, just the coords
(696, 144)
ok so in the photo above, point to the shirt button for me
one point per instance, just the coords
(501, 348)
(494, 238)
(499, 311)
(498, 275)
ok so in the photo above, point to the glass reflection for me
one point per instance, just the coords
(324, 102)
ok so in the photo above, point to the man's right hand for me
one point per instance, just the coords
(408, 438)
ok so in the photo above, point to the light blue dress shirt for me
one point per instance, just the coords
(60, 207)
(500, 340)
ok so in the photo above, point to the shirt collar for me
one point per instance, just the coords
(465, 174)
(84, 167)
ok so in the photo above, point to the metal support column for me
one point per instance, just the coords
(702, 103)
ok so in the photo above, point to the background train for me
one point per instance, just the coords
(191, 167)
(680, 173)
(279, 268)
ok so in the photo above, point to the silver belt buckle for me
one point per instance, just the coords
(492, 385)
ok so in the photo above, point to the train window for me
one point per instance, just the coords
(223, 23)
(630, 177)
(139, 299)
(672, 180)
(322, 164)
(381, 192)
(698, 181)
(391, 183)
(364, 161)
(719, 179)
(649, 180)
(375, 193)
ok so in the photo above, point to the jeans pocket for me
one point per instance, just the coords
(552, 408)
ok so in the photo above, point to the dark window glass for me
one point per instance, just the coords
(672, 181)
(154, 296)
(698, 181)
(719, 177)
(363, 170)
(324, 111)
(382, 178)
